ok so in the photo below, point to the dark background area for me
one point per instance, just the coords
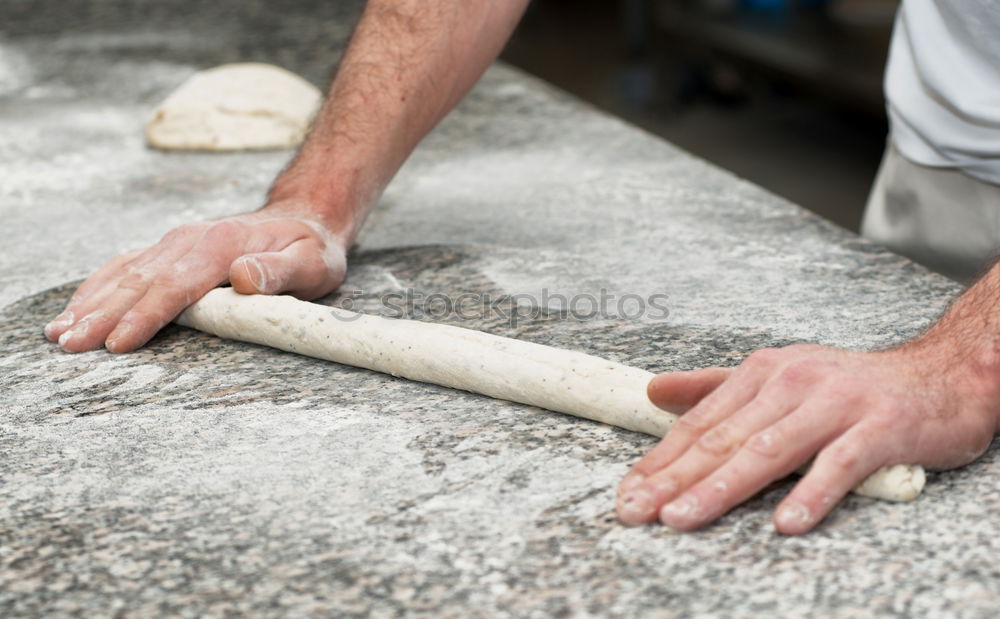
(785, 93)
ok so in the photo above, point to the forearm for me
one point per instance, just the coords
(408, 63)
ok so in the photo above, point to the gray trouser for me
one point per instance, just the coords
(939, 217)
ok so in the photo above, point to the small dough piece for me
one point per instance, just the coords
(244, 106)
(894, 483)
(558, 380)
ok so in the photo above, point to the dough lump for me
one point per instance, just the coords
(244, 106)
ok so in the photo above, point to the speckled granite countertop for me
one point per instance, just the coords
(199, 477)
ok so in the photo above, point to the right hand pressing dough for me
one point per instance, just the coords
(559, 380)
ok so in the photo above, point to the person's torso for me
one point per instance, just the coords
(943, 84)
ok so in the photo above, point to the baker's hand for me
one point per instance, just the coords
(278, 249)
(855, 412)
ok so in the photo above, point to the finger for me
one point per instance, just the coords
(101, 311)
(166, 298)
(771, 454)
(209, 263)
(299, 269)
(75, 334)
(109, 271)
(843, 464)
(69, 316)
(734, 393)
(202, 268)
(679, 391)
(776, 399)
(90, 331)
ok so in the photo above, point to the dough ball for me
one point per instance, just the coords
(244, 106)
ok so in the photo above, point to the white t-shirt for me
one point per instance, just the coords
(943, 85)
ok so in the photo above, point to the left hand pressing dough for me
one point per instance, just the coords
(558, 380)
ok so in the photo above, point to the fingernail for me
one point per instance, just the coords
(683, 511)
(62, 320)
(630, 482)
(636, 507)
(79, 330)
(255, 273)
(793, 516)
(124, 329)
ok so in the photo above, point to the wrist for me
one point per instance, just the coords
(969, 367)
(338, 201)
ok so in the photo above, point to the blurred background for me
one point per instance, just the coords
(785, 93)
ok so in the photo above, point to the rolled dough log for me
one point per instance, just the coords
(559, 380)
(235, 107)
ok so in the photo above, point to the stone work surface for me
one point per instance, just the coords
(200, 477)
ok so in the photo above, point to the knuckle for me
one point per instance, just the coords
(766, 443)
(763, 357)
(719, 440)
(691, 422)
(225, 231)
(180, 232)
(134, 280)
(842, 457)
(803, 372)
